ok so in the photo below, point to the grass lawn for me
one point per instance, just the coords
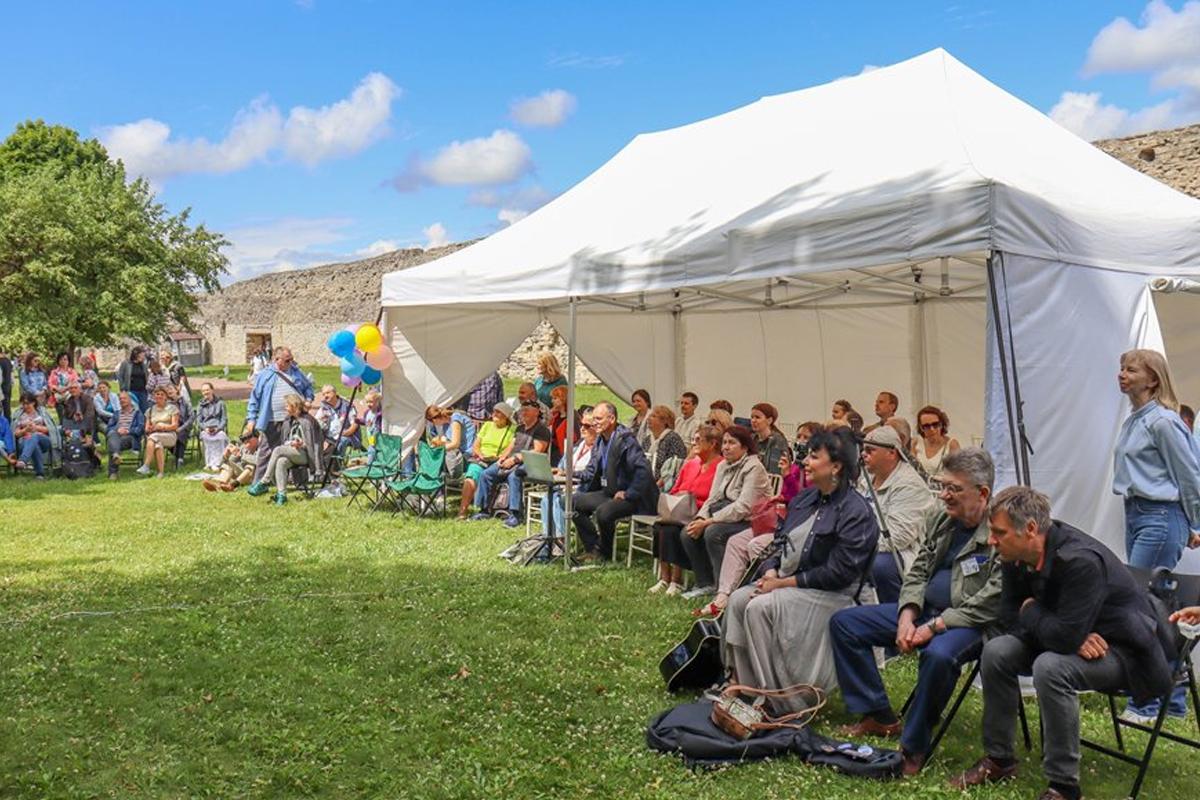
(162, 642)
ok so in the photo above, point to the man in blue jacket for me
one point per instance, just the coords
(265, 411)
(125, 431)
(617, 483)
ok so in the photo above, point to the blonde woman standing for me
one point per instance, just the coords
(1156, 469)
(549, 376)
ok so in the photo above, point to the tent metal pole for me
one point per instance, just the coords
(997, 324)
(568, 486)
(1018, 402)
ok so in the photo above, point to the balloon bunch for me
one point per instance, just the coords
(361, 354)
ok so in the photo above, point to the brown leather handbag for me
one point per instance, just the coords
(742, 720)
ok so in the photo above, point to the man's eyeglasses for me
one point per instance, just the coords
(952, 488)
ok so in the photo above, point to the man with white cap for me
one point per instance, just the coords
(903, 503)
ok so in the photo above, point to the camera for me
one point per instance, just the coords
(800, 451)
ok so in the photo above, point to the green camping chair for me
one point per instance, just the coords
(383, 467)
(420, 493)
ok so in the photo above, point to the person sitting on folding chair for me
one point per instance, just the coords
(125, 431)
(532, 434)
(949, 599)
(1079, 622)
(300, 447)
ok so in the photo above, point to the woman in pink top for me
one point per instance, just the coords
(696, 477)
(62, 376)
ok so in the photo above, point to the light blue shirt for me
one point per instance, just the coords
(1156, 458)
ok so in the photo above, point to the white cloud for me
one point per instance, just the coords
(258, 130)
(147, 149)
(582, 61)
(1166, 38)
(510, 215)
(284, 244)
(378, 248)
(1086, 116)
(514, 205)
(436, 236)
(1166, 44)
(343, 128)
(548, 110)
(494, 160)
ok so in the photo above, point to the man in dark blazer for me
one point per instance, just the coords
(617, 483)
(1078, 621)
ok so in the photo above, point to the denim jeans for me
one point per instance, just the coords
(34, 451)
(1156, 532)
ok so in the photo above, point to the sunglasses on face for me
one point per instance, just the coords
(929, 426)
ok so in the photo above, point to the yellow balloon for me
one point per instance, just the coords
(368, 338)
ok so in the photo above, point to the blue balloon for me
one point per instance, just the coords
(341, 343)
(371, 376)
(352, 365)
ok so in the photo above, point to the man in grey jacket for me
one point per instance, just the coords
(904, 501)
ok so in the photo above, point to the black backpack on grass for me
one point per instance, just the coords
(77, 462)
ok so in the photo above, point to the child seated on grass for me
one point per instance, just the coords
(237, 465)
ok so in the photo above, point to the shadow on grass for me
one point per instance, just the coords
(425, 670)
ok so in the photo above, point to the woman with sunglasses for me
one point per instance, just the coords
(932, 443)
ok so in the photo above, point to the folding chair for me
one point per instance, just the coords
(383, 467)
(641, 538)
(948, 718)
(420, 492)
(1177, 591)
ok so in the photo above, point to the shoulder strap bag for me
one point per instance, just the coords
(742, 720)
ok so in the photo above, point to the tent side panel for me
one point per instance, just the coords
(1070, 326)
(626, 350)
(954, 362)
(441, 353)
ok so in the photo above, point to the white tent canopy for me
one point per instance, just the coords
(833, 242)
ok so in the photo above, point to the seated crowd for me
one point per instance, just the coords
(853, 539)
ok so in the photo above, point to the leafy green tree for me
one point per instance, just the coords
(86, 258)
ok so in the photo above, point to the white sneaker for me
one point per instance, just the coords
(143, 470)
(674, 590)
(658, 587)
(699, 591)
(1129, 715)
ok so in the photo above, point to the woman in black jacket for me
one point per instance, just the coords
(776, 631)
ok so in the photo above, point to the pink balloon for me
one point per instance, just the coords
(349, 382)
(380, 358)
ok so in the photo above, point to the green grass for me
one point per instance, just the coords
(161, 642)
(315, 651)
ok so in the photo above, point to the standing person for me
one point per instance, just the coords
(885, 408)
(1078, 621)
(89, 379)
(266, 410)
(558, 421)
(549, 376)
(932, 443)
(688, 420)
(60, 378)
(33, 377)
(482, 399)
(640, 422)
(6, 370)
(157, 377)
(175, 371)
(213, 424)
(131, 377)
(770, 440)
(1156, 469)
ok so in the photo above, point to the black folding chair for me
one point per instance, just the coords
(948, 718)
(1177, 591)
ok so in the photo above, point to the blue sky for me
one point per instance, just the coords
(316, 130)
